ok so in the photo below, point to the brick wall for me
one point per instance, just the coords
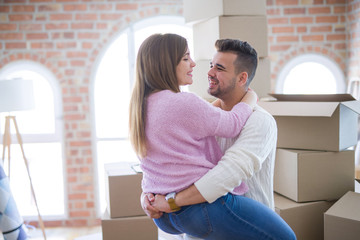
(67, 36)
(353, 20)
(296, 27)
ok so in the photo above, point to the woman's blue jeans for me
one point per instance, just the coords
(230, 217)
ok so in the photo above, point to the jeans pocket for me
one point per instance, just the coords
(193, 220)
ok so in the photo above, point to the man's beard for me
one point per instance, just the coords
(222, 92)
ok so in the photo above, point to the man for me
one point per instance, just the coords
(248, 158)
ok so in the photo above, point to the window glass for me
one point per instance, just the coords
(310, 74)
(40, 130)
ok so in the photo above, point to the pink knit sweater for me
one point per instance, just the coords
(181, 144)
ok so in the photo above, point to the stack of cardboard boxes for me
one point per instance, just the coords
(314, 167)
(227, 19)
(124, 217)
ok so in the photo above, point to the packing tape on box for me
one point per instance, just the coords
(11, 223)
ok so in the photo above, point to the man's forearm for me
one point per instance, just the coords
(189, 196)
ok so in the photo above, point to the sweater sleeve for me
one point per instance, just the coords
(206, 120)
(241, 160)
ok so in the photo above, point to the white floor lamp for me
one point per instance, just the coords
(17, 95)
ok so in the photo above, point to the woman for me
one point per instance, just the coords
(174, 133)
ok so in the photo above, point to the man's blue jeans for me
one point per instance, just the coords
(228, 218)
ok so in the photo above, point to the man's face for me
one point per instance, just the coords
(221, 76)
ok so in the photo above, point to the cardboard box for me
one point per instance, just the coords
(128, 228)
(123, 190)
(313, 175)
(342, 220)
(305, 219)
(206, 33)
(260, 84)
(317, 122)
(214, 8)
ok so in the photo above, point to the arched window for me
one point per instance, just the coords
(41, 131)
(113, 80)
(310, 74)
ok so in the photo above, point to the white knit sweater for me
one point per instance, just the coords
(249, 157)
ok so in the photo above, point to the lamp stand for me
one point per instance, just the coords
(6, 144)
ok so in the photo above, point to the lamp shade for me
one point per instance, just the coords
(16, 95)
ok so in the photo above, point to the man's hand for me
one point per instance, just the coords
(146, 200)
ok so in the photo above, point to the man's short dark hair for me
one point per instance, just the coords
(246, 60)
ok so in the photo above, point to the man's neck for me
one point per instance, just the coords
(228, 103)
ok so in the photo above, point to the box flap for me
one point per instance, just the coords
(304, 109)
(347, 207)
(353, 105)
(313, 97)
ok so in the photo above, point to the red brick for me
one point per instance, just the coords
(301, 29)
(56, 26)
(4, 9)
(275, 21)
(78, 26)
(23, 8)
(30, 27)
(75, 7)
(126, 6)
(287, 38)
(42, 45)
(86, 17)
(77, 196)
(336, 37)
(77, 55)
(61, 17)
(336, 1)
(101, 7)
(313, 38)
(49, 8)
(301, 20)
(87, 45)
(291, 11)
(319, 10)
(15, 45)
(77, 63)
(321, 29)
(11, 36)
(80, 144)
(7, 27)
(20, 17)
(36, 36)
(64, 45)
(111, 16)
(327, 19)
(88, 35)
(279, 48)
(283, 30)
(287, 2)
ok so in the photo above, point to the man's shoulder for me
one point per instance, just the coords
(261, 114)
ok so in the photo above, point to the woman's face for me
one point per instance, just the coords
(184, 69)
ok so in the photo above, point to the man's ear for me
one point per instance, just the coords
(242, 78)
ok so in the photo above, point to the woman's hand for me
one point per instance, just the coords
(161, 204)
(146, 200)
(250, 98)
